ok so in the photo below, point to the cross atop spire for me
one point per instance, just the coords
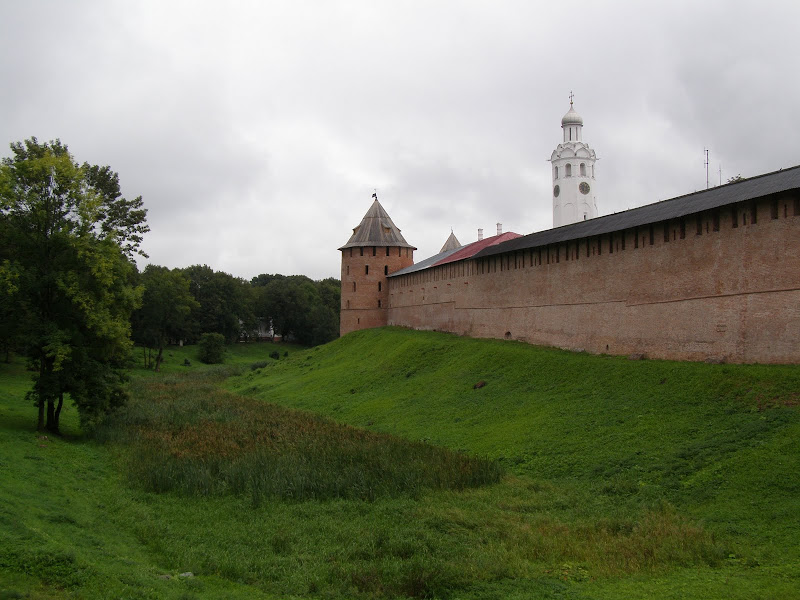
(571, 96)
(375, 194)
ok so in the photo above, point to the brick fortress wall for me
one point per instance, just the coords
(721, 284)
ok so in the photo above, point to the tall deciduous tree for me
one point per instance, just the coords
(68, 236)
(299, 308)
(164, 314)
(10, 329)
(222, 302)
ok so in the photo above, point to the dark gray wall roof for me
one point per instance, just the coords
(747, 189)
(376, 229)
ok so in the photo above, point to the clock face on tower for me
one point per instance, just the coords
(556, 191)
(584, 187)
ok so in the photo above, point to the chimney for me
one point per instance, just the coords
(480, 234)
(499, 228)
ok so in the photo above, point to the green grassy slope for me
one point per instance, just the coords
(720, 442)
(627, 479)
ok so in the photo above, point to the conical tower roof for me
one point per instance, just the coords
(376, 229)
(452, 243)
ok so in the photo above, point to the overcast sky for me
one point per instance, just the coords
(256, 131)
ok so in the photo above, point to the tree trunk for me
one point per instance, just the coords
(51, 425)
(40, 423)
(58, 412)
(159, 359)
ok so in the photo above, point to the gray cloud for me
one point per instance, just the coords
(257, 132)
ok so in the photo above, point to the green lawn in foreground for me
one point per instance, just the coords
(627, 480)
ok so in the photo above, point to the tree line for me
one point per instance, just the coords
(73, 302)
(179, 305)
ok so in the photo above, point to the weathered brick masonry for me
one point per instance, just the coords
(722, 283)
(365, 290)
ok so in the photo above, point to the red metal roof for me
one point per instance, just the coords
(471, 249)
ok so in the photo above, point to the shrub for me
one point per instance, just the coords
(212, 348)
(258, 365)
(275, 355)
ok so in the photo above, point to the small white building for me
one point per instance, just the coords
(573, 162)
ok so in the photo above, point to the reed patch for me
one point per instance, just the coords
(185, 434)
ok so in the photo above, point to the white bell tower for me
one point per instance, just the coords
(574, 190)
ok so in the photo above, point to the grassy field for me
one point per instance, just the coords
(624, 479)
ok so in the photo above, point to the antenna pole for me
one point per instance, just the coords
(706, 164)
(720, 173)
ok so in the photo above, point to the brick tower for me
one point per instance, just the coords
(375, 249)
